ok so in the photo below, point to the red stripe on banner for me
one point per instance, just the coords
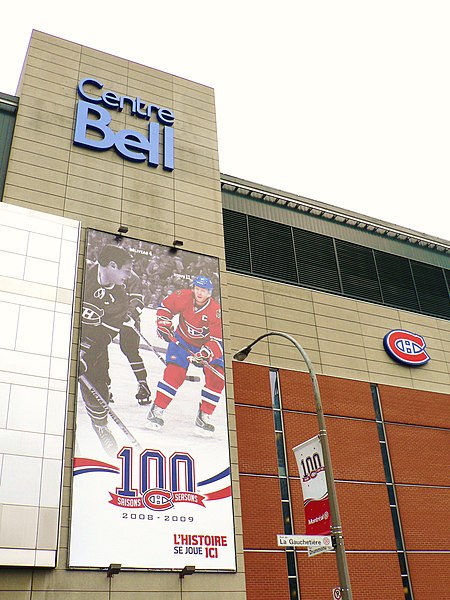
(225, 493)
(89, 462)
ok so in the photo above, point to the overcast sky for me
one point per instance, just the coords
(342, 101)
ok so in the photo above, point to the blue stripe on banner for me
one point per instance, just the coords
(94, 470)
(209, 396)
(217, 477)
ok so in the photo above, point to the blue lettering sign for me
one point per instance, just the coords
(93, 131)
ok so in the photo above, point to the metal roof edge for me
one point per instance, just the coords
(328, 211)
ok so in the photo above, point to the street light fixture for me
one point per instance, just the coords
(336, 528)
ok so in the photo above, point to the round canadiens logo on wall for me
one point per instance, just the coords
(406, 348)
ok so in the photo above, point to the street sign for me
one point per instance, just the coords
(313, 541)
(318, 550)
(337, 595)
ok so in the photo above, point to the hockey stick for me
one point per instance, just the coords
(93, 390)
(205, 364)
(144, 339)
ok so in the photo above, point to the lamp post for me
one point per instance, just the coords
(341, 559)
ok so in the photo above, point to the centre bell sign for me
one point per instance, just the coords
(92, 128)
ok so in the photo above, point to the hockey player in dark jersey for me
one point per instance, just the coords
(197, 340)
(105, 307)
(129, 339)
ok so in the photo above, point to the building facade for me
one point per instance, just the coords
(98, 151)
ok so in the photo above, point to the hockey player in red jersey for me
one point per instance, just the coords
(105, 307)
(197, 340)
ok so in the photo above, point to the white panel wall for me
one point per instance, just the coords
(38, 260)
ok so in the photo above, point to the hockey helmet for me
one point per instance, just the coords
(203, 282)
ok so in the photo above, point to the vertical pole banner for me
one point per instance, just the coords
(151, 469)
(314, 486)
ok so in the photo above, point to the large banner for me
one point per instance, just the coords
(310, 463)
(152, 484)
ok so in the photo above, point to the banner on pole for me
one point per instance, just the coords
(314, 486)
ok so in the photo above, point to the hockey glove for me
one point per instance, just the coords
(85, 347)
(164, 329)
(204, 355)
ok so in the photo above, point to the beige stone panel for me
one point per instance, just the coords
(388, 370)
(98, 161)
(212, 229)
(64, 84)
(184, 87)
(377, 310)
(424, 374)
(325, 298)
(337, 323)
(193, 141)
(334, 371)
(13, 579)
(384, 323)
(190, 167)
(58, 45)
(247, 329)
(199, 242)
(285, 290)
(38, 160)
(195, 105)
(24, 170)
(185, 147)
(132, 191)
(63, 580)
(296, 329)
(51, 60)
(202, 135)
(44, 109)
(336, 312)
(96, 64)
(150, 206)
(197, 214)
(212, 194)
(289, 302)
(21, 149)
(237, 294)
(58, 95)
(93, 209)
(349, 338)
(112, 180)
(203, 201)
(86, 196)
(43, 137)
(239, 305)
(93, 186)
(290, 315)
(13, 595)
(154, 223)
(34, 199)
(55, 125)
(373, 334)
(146, 204)
(199, 160)
(154, 92)
(148, 75)
(345, 350)
(200, 120)
(345, 362)
(408, 319)
(144, 173)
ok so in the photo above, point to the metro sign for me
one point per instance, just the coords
(406, 348)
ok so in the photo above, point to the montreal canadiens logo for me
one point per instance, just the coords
(406, 348)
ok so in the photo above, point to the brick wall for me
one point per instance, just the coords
(266, 576)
